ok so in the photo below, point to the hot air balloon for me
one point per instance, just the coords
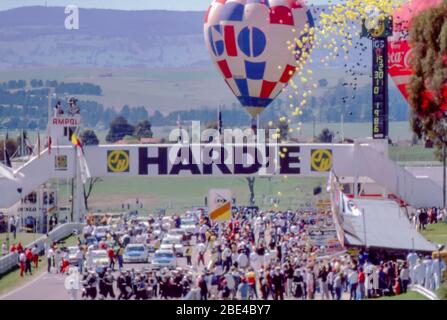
(399, 49)
(249, 43)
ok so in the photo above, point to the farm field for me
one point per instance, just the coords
(178, 194)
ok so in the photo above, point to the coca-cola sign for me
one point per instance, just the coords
(399, 57)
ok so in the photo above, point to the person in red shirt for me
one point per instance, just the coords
(396, 287)
(64, 266)
(13, 248)
(35, 252)
(361, 285)
(111, 254)
(19, 248)
(102, 245)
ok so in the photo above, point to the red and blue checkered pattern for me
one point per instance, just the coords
(248, 39)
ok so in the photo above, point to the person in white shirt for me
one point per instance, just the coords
(4, 249)
(253, 257)
(437, 272)
(202, 232)
(242, 260)
(267, 256)
(419, 272)
(375, 279)
(404, 277)
(412, 258)
(80, 259)
(369, 274)
(428, 283)
(201, 253)
(226, 257)
(72, 283)
(353, 279)
(50, 257)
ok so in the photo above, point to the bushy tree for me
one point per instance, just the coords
(143, 130)
(119, 128)
(326, 136)
(89, 138)
(11, 147)
(428, 85)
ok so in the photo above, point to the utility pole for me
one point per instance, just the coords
(364, 228)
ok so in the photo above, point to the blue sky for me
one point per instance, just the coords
(120, 4)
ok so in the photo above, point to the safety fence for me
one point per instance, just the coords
(10, 261)
(424, 291)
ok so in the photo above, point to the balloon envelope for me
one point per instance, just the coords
(399, 49)
(249, 43)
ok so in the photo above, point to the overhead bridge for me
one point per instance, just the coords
(365, 161)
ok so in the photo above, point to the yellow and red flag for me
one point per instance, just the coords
(222, 213)
(76, 141)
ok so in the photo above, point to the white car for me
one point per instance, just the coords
(170, 243)
(100, 232)
(135, 253)
(100, 260)
(189, 225)
(164, 259)
(177, 233)
(166, 223)
(72, 251)
(156, 229)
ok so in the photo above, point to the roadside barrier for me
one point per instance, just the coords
(10, 261)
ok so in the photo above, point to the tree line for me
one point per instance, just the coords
(28, 108)
(60, 87)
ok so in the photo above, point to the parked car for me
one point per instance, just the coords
(135, 253)
(72, 255)
(189, 225)
(181, 233)
(164, 259)
(100, 260)
(170, 242)
(100, 232)
(91, 241)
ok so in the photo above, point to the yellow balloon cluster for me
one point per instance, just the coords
(337, 27)
(341, 20)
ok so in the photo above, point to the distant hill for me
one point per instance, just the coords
(36, 36)
(153, 58)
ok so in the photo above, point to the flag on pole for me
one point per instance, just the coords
(179, 126)
(85, 171)
(49, 145)
(222, 213)
(219, 203)
(76, 141)
(7, 158)
(38, 144)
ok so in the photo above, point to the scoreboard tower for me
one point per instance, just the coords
(378, 30)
